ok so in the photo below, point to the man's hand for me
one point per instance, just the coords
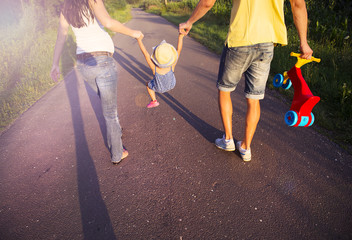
(306, 51)
(201, 9)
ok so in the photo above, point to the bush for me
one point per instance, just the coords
(222, 10)
(148, 3)
(112, 5)
(191, 3)
(134, 2)
(329, 21)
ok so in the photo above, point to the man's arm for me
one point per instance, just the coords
(300, 18)
(201, 9)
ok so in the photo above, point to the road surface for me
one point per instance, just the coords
(56, 180)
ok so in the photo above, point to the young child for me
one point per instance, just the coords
(162, 62)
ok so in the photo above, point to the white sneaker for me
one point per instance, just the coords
(227, 145)
(245, 153)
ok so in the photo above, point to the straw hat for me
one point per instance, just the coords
(164, 55)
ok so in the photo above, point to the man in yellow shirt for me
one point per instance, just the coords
(255, 27)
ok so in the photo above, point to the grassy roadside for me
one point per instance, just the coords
(26, 53)
(331, 79)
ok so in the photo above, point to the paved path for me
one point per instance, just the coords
(56, 181)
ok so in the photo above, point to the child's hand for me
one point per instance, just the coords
(181, 35)
(140, 37)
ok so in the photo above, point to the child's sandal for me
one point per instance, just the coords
(153, 104)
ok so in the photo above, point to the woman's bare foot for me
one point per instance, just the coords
(124, 155)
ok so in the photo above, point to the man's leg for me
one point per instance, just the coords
(252, 119)
(225, 106)
(232, 65)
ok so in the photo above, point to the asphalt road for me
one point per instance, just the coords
(56, 180)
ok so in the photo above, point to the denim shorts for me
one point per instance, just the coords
(251, 61)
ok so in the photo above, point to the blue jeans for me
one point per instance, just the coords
(253, 61)
(100, 73)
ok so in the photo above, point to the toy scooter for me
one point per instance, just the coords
(300, 113)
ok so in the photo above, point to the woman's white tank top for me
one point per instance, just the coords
(92, 38)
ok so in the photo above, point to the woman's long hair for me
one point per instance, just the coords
(76, 10)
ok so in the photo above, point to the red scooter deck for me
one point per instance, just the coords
(303, 102)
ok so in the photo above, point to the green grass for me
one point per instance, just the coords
(331, 79)
(26, 53)
(122, 15)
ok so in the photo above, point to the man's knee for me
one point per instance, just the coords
(252, 101)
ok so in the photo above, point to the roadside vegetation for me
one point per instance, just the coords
(28, 31)
(329, 36)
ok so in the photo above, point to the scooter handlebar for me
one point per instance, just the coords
(298, 55)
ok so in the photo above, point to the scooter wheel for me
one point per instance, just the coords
(287, 85)
(291, 118)
(278, 80)
(313, 119)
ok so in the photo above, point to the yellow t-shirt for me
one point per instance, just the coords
(257, 21)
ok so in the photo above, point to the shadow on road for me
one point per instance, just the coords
(96, 223)
(141, 74)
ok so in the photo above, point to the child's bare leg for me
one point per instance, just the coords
(151, 93)
(154, 102)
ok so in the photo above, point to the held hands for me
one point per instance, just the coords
(137, 34)
(184, 28)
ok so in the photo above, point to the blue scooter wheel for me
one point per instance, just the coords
(287, 85)
(291, 118)
(278, 80)
(313, 119)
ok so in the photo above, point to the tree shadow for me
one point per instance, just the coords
(141, 74)
(96, 223)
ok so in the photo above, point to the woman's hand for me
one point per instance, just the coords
(55, 73)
